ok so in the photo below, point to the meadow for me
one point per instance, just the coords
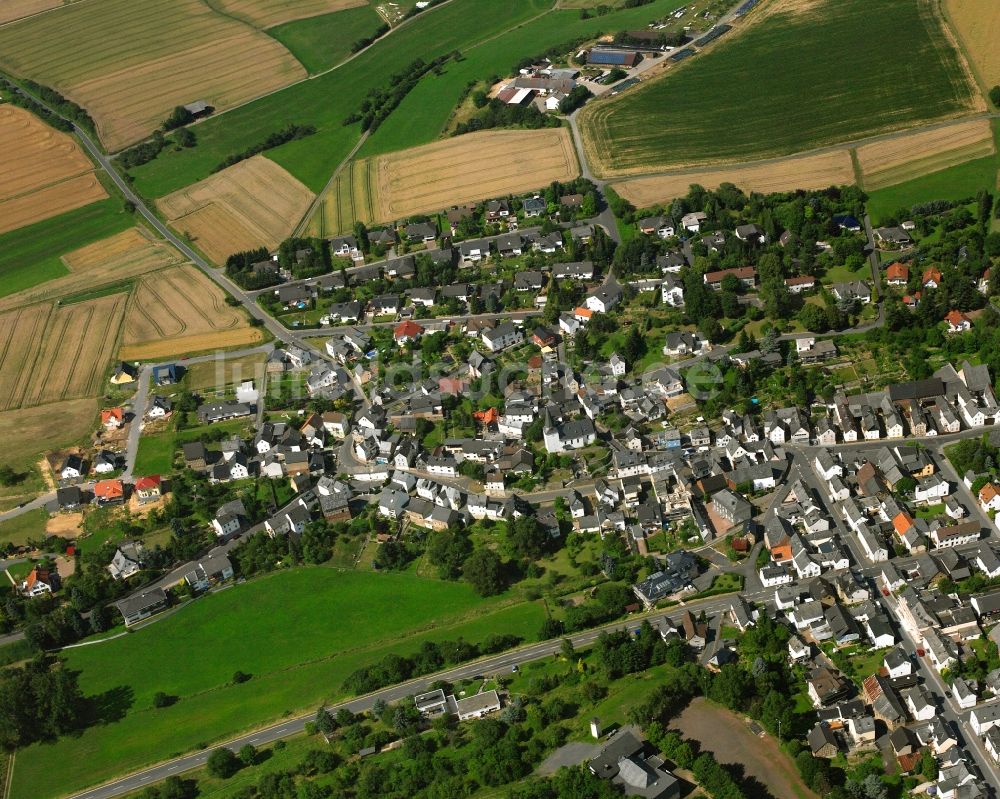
(299, 633)
(325, 101)
(31, 255)
(155, 454)
(820, 75)
(130, 66)
(320, 43)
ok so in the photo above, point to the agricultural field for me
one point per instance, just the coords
(218, 374)
(807, 172)
(977, 25)
(902, 158)
(130, 66)
(11, 10)
(342, 620)
(326, 100)
(54, 353)
(252, 204)
(118, 258)
(180, 310)
(46, 172)
(321, 43)
(698, 113)
(454, 171)
(267, 13)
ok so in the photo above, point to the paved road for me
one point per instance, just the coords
(496, 664)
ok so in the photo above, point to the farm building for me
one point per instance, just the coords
(613, 58)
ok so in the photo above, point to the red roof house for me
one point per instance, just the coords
(407, 331)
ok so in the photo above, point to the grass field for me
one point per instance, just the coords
(50, 353)
(267, 13)
(21, 529)
(338, 621)
(954, 183)
(162, 54)
(252, 204)
(225, 372)
(323, 42)
(700, 113)
(808, 172)
(453, 171)
(30, 256)
(155, 454)
(180, 310)
(47, 175)
(29, 432)
(325, 101)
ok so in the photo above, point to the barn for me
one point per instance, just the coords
(612, 58)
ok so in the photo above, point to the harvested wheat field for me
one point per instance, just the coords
(902, 158)
(469, 168)
(977, 25)
(162, 53)
(267, 13)
(45, 171)
(50, 353)
(29, 431)
(127, 254)
(252, 204)
(807, 172)
(18, 9)
(181, 310)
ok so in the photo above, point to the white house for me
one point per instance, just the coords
(692, 222)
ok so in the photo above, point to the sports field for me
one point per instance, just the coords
(821, 72)
(50, 353)
(326, 100)
(46, 173)
(808, 172)
(180, 310)
(266, 13)
(977, 25)
(299, 633)
(129, 65)
(454, 171)
(903, 158)
(252, 204)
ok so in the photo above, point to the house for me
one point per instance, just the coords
(476, 706)
(346, 247)
(623, 763)
(752, 234)
(124, 374)
(534, 206)
(683, 343)
(897, 663)
(69, 497)
(159, 408)
(826, 687)
(672, 291)
(897, 274)
(575, 270)
(214, 568)
(822, 741)
(220, 411)
(892, 237)
(605, 297)
(958, 322)
(127, 560)
(165, 374)
(660, 226)
(931, 278)
(230, 519)
(40, 580)
(474, 250)
(421, 232)
(747, 276)
(72, 468)
(406, 332)
(112, 418)
(141, 606)
(731, 506)
(567, 435)
(431, 704)
(692, 222)
(503, 336)
(148, 489)
(800, 283)
(852, 290)
(109, 492)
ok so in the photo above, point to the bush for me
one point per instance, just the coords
(161, 699)
(240, 677)
(995, 96)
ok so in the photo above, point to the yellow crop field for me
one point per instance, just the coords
(901, 158)
(462, 169)
(51, 353)
(808, 172)
(267, 13)
(45, 172)
(977, 24)
(130, 64)
(181, 310)
(127, 254)
(252, 204)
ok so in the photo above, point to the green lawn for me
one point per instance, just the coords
(820, 75)
(327, 100)
(30, 255)
(30, 525)
(954, 183)
(323, 42)
(156, 454)
(299, 633)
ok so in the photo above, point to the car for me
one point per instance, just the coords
(948, 694)
(514, 669)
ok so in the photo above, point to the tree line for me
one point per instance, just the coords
(290, 132)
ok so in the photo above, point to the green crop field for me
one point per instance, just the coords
(422, 116)
(299, 633)
(30, 255)
(325, 101)
(323, 42)
(829, 72)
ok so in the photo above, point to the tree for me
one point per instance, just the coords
(995, 96)
(248, 754)
(484, 571)
(325, 723)
(161, 699)
(222, 763)
(527, 538)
